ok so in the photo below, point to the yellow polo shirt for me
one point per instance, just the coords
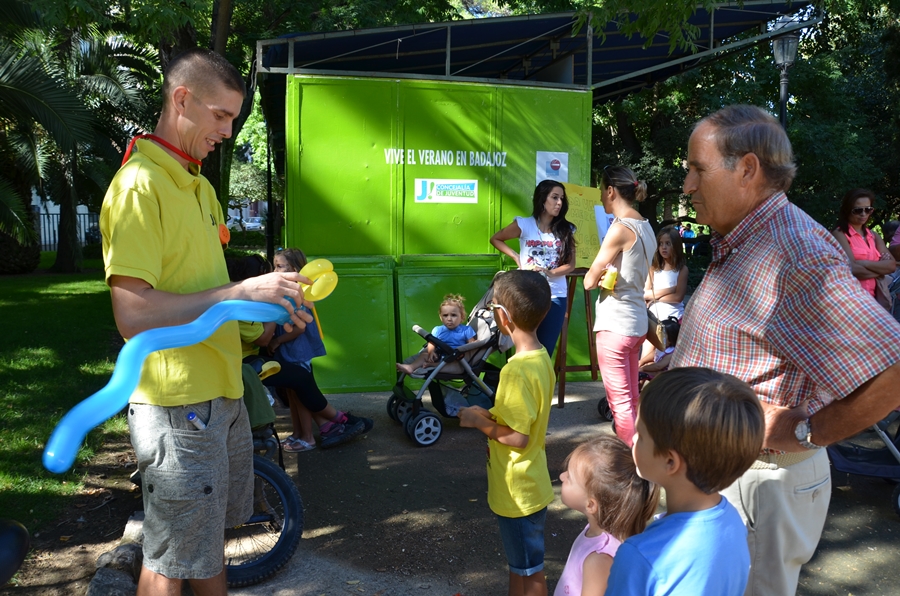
(160, 223)
(518, 479)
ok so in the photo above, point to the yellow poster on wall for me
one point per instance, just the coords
(582, 200)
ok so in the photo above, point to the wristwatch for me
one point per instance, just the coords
(803, 432)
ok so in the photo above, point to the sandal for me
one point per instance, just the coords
(297, 445)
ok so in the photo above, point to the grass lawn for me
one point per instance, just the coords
(59, 346)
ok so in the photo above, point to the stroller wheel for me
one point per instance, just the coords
(604, 410)
(392, 407)
(425, 429)
(896, 499)
(402, 409)
(407, 422)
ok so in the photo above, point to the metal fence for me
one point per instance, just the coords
(88, 229)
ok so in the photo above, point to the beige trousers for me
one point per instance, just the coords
(784, 510)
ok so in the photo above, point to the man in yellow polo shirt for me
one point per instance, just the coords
(165, 266)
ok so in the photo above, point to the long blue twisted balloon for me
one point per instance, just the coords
(70, 432)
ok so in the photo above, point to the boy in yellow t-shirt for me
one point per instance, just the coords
(519, 487)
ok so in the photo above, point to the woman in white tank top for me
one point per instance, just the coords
(546, 245)
(667, 283)
(621, 314)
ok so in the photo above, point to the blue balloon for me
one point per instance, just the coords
(59, 455)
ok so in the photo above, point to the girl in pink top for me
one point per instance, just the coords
(869, 258)
(601, 482)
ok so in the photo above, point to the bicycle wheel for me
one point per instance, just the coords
(262, 545)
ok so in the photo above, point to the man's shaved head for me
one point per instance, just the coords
(200, 70)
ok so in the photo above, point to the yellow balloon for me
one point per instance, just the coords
(321, 273)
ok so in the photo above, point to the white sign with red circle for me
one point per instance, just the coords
(552, 165)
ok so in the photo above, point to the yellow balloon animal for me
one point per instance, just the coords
(321, 273)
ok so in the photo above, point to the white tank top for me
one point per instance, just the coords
(664, 310)
(623, 310)
(541, 250)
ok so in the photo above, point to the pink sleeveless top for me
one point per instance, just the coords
(863, 249)
(570, 581)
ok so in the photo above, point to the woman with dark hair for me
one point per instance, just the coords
(621, 314)
(546, 245)
(869, 258)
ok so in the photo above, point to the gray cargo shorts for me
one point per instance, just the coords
(195, 483)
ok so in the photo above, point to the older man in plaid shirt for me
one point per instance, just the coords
(779, 308)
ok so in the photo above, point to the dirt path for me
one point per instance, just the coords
(63, 554)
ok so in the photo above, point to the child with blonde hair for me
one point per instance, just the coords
(601, 482)
(454, 332)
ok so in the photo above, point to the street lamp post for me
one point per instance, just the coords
(785, 50)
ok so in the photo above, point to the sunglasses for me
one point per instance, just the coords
(862, 210)
(492, 306)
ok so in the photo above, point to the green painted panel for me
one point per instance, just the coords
(358, 327)
(422, 284)
(380, 166)
(339, 192)
(358, 153)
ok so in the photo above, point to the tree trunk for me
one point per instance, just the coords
(626, 133)
(68, 249)
(221, 26)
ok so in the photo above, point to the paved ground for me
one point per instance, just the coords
(385, 517)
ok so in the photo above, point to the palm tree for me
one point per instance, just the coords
(110, 77)
(69, 101)
(32, 104)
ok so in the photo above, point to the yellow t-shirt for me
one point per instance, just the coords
(250, 332)
(160, 224)
(518, 479)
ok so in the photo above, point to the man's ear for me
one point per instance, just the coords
(749, 168)
(179, 99)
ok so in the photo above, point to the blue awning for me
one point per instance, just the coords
(535, 48)
(538, 50)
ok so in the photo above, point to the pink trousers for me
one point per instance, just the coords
(618, 356)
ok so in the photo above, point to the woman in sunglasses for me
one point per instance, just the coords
(869, 258)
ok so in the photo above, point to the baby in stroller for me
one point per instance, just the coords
(464, 363)
(453, 332)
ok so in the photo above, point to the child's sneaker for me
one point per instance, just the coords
(338, 434)
(368, 422)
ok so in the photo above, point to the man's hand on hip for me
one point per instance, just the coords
(780, 425)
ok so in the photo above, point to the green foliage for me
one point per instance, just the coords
(843, 116)
(247, 239)
(47, 365)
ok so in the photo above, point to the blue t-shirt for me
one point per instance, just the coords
(455, 337)
(698, 553)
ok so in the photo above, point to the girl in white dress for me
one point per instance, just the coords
(668, 277)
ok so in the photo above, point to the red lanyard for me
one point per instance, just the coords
(165, 144)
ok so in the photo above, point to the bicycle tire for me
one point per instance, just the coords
(256, 550)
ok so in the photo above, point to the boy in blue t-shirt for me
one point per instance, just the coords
(697, 431)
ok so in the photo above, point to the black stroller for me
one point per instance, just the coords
(465, 363)
(880, 462)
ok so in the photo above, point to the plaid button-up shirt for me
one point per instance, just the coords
(779, 309)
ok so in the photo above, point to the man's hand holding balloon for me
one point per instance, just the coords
(280, 289)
